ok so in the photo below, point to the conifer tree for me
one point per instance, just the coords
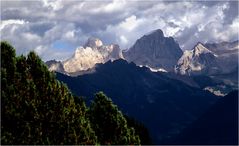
(109, 123)
(36, 108)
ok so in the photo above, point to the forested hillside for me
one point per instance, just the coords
(38, 109)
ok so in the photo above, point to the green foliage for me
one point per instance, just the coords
(8, 61)
(109, 123)
(36, 108)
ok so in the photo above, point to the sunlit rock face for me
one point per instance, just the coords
(154, 50)
(209, 59)
(197, 61)
(85, 58)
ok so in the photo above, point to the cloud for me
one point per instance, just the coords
(209, 27)
(54, 5)
(10, 22)
(54, 28)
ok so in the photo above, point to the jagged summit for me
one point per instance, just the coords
(155, 51)
(197, 61)
(85, 58)
(209, 59)
(200, 48)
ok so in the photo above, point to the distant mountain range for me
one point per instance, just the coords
(154, 81)
(218, 61)
(157, 52)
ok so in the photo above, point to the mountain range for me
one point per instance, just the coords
(155, 51)
(154, 81)
(217, 61)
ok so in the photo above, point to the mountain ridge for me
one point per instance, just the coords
(138, 91)
(160, 54)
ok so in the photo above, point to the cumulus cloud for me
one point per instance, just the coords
(54, 28)
(208, 26)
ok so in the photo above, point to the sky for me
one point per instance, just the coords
(55, 28)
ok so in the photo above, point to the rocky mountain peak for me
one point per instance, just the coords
(199, 60)
(85, 58)
(199, 49)
(155, 51)
(209, 59)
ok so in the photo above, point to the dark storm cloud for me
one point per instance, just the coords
(40, 27)
(43, 23)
